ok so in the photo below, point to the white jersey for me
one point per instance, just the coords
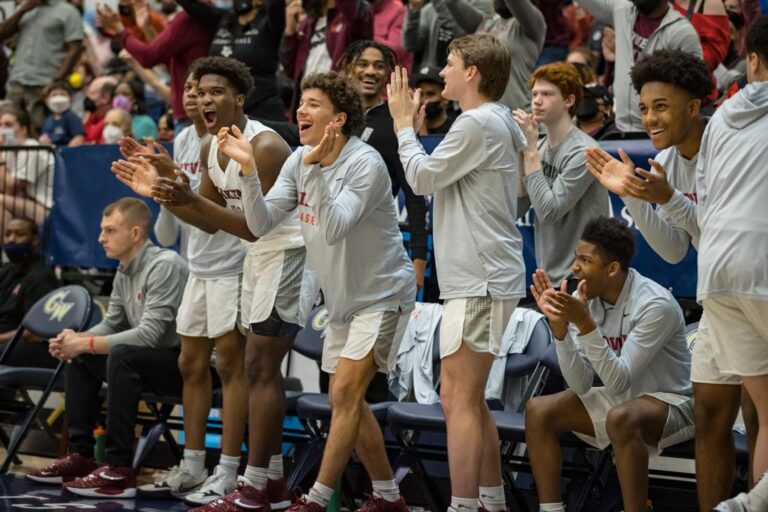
(287, 234)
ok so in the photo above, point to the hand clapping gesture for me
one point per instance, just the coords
(137, 174)
(326, 146)
(404, 105)
(235, 146)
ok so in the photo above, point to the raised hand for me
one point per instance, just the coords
(234, 145)
(325, 148)
(404, 106)
(137, 174)
(654, 188)
(613, 174)
(161, 159)
(108, 20)
(141, 12)
(168, 192)
(542, 291)
(129, 147)
(529, 125)
(573, 309)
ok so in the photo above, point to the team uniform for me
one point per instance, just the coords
(638, 348)
(733, 219)
(209, 306)
(565, 197)
(478, 250)
(273, 264)
(355, 251)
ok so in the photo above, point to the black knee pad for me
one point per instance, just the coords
(275, 326)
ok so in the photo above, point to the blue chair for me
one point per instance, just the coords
(68, 307)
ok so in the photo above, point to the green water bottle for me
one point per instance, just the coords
(100, 450)
(335, 504)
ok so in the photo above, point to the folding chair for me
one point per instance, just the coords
(68, 307)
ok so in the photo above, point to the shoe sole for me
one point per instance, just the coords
(280, 505)
(95, 493)
(52, 480)
(191, 503)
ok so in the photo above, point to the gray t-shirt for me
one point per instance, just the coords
(564, 196)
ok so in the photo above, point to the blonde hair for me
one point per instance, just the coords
(492, 59)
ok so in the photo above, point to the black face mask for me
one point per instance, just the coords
(242, 7)
(646, 7)
(313, 8)
(433, 110)
(588, 109)
(89, 105)
(124, 10)
(500, 7)
(736, 18)
(168, 8)
(19, 253)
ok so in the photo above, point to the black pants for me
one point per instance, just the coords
(129, 371)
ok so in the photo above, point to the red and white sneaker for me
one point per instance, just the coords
(378, 504)
(64, 470)
(302, 504)
(106, 482)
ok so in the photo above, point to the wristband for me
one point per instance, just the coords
(91, 348)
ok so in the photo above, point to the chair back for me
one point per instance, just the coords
(520, 365)
(309, 341)
(68, 307)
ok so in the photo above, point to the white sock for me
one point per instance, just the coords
(759, 493)
(464, 504)
(194, 461)
(320, 494)
(229, 464)
(257, 476)
(492, 499)
(552, 507)
(387, 489)
(275, 471)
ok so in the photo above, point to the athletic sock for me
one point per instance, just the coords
(320, 494)
(758, 496)
(256, 476)
(387, 489)
(464, 504)
(229, 464)
(194, 461)
(492, 498)
(552, 507)
(275, 471)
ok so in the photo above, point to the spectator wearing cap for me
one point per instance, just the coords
(594, 115)
(437, 120)
(48, 44)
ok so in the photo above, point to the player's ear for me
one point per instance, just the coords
(614, 268)
(341, 118)
(239, 100)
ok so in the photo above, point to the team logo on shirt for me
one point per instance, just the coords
(616, 342)
(320, 320)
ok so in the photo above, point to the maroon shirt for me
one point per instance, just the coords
(644, 28)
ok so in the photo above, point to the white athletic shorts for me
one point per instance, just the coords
(209, 307)
(381, 332)
(704, 367)
(477, 321)
(272, 281)
(739, 334)
(679, 427)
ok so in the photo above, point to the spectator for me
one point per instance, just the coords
(26, 184)
(436, 118)
(141, 21)
(710, 20)
(558, 32)
(642, 27)
(49, 41)
(134, 349)
(169, 8)
(23, 281)
(520, 25)
(117, 124)
(182, 41)
(587, 74)
(251, 34)
(594, 116)
(316, 43)
(388, 18)
(98, 101)
(430, 28)
(165, 128)
(583, 55)
(580, 24)
(130, 94)
(62, 127)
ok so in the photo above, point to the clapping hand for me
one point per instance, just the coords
(137, 174)
(529, 125)
(542, 291)
(573, 309)
(170, 192)
(618, 176)
(326, 146)
(654, 187)
(108, 20)
(404, 106)
(234, 145)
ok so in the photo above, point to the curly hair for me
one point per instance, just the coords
(675, 67)
(565, 77)
(614, 240)
(356, 49)
(343, 96)
(233, 70)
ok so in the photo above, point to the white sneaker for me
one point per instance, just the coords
(738, 503)
(219, 484)
(176, 484)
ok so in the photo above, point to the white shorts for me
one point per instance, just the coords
(272, 281)
(739, 329)
(704, 367)
(477, 321)
(381, 332)
(679, 427)
(209, 307)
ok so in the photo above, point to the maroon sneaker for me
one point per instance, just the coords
(302, 504)
(105, 482)
(279, 495)
(227, 502)
(63, 470)
(378, 504)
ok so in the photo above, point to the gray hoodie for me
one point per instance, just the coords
(349, 224)
(732, 189)
(674, 32)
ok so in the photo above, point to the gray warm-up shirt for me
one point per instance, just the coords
(473, 175)
(565, 196)
(639, 345)
(349, 224)
(145, 299)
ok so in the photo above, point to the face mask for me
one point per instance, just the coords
(124, 10)
(59, 104)
(736, 18)
(588, 109)
(122, 102)
(646, 7)
(112, 134)
(433, 110)
(10, 136)
(18, 253)
(89, 105)
(242, 7)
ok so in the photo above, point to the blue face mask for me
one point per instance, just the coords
(18, 253)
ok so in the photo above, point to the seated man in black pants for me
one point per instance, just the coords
(134, 349)
(23, 281)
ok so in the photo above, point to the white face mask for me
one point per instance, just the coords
(112, 134)
(10, 136)
(59, 104)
